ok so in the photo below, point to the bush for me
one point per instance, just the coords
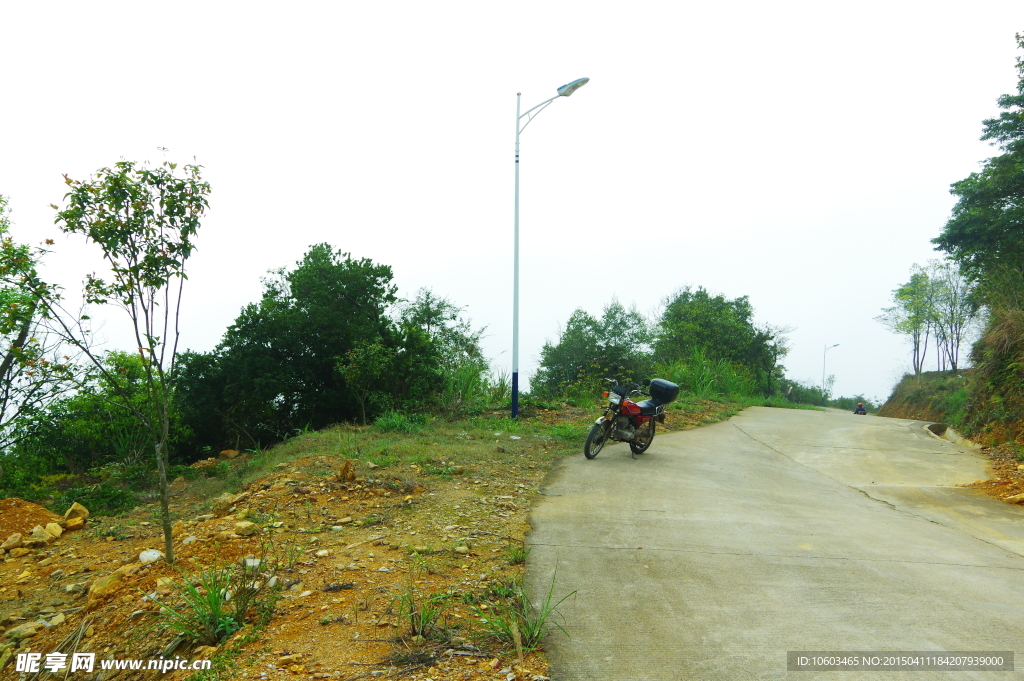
(102, 498)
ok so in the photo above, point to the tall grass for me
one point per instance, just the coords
(471, 388)
(707, 378)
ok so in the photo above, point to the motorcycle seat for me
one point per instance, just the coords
(649, 407)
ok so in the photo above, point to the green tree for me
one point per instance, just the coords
(695, 319)
(453, 337)
(275, 369)
(955, 305)
(937, 303)
(144, 220)
(363, 368)
(986, 229)
(92, 429)
(438, 352)
(913, 315)
(32, 371)
(588, 348)
(695, 323)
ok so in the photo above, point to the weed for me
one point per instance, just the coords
(260, 518)
(397, 422)
(504, 589)
(423, 615)
(204, 615)
(571, 431)
(517, 622)
(420, 564)
(116, 532)
(445, 470)
(517, 555)
(223, 661)
(214, 604)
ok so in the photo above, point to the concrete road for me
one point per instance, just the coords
(725, 547)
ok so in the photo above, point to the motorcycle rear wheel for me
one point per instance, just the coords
(596, 439)
(643, 439)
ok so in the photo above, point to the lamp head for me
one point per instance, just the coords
(572, 87)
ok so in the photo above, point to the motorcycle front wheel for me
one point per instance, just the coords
(596, 439)
(643, 439)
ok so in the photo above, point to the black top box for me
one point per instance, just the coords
(663, 391)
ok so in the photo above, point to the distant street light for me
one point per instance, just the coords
(563, 91)
(827, 348)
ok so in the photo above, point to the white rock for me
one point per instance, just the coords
(150, 556)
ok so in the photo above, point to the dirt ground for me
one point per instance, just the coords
(1008, 474)
(350, 545)
(356, 545)
(21, 516)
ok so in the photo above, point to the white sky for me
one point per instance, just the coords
(796, 152)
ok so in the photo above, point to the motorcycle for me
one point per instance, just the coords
(624, 420)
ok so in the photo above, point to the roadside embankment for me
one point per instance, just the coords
(938, 396)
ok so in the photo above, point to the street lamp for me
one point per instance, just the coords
(563, 91)
(827, 348)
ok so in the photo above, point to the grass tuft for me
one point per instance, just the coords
(517, 622)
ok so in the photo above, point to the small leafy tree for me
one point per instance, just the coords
(91, 430)
(955, 307)
(938, 302)
(32, 373)
(913, 314)
(363, 368)
(144, 220)
(589, 347)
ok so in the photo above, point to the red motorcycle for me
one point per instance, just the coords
(627, 421)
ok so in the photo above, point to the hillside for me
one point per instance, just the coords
(937, 396)
(368, 552)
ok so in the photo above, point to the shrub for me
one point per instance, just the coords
(102, 498)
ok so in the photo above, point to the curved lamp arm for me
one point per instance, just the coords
(564, 91)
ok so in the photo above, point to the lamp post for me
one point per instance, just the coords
(827, 348)
(563, 91)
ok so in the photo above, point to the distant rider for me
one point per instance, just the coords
(860, 409)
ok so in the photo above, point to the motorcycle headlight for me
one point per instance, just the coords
(615, 398)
